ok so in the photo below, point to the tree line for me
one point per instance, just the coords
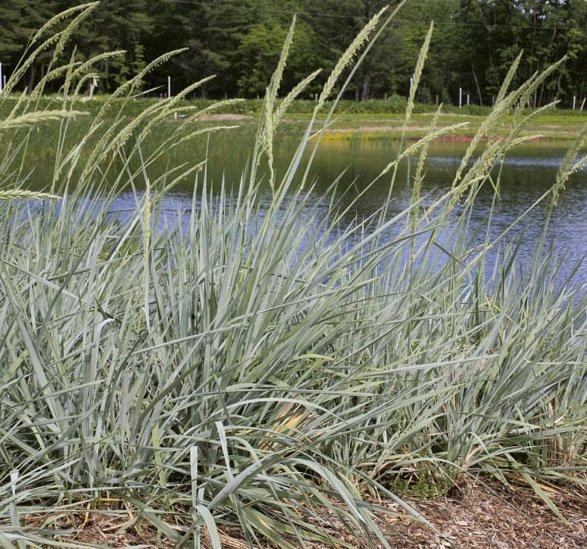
(473, 46)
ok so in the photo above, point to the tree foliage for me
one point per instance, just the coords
(474, 43)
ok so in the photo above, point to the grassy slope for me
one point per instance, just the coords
(377, 119)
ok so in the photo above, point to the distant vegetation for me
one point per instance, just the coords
(474, 44)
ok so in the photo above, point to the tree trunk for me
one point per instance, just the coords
(32, 74)
(479, 94)
(366, 87)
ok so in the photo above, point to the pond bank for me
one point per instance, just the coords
(548, 127)
(352, 120)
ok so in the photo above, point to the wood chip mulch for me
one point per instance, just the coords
(481, 516)
(476, 516)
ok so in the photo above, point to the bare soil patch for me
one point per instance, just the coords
(225, 116)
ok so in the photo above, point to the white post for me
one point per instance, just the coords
(93, 84)
(468, 98)
(2, 80)
(169, 86)
(460, 97)
(574, 102)
(583, 102)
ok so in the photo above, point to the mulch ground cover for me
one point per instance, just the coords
(477, 515)
(488, 516)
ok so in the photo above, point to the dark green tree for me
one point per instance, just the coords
(473, 45)
(114, 25)
(336, 23)
(20, 19)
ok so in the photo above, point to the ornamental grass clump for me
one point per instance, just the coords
(262, 364)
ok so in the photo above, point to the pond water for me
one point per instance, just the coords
(527, 173)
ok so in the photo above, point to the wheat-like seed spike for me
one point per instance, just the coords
(165, 107)
(23, 194)
(415, 147)
(60, 17)
(63, 36)
(80, 72)
(569, 165)
(147, 214)
(418, 73)
(26, 64)
(292, 95)
(53, 74)
(129, 85)
(420, 166)
(347, 57)
(70, 70)
(66, 34)
(33, 118)
(508, 78)
(203, 131)
(268, 118)
(214, 107)
(82, 81)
